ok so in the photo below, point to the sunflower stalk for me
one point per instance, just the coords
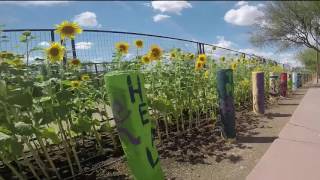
(41, 142)
(30, 166)
(14, 171)
(37, 158)
(66, 146)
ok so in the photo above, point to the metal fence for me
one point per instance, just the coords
(96, 47)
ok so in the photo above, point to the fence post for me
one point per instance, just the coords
(226, 101)
(258, 92)
(73, 47)
(299, 83)
(130, 111)
(283, 84)
(294, 81)
(273, 84)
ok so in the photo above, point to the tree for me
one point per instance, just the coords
(307, 57)
(289, 24)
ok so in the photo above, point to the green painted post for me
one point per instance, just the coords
(226, 101)
(133, 122)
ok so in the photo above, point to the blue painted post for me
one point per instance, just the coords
(294, 81)
(226, 101)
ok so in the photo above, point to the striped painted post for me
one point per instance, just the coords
(130, 111)
(226, 102)
(274, 84)
(258, 92)
(294, 81)
(283, 84)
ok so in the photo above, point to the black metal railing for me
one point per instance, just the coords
(97, 46)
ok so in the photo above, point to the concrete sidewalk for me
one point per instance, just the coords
(295, 155)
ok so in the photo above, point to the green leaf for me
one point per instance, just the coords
(50, 133)
(4, 139)
(3, 89)
(81, 125)
(18, 97)
(24, 129)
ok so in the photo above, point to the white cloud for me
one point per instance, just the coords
(84, 45)
(244, 15)
(160, 17)
(34, 3)
(241, 3)
(170, 6)
(44, 44)
(87, 19)
(224, 43)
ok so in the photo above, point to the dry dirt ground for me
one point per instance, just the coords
(235, 160)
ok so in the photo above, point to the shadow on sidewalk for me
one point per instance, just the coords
(288, 104)
(250, 139)
(273, 115)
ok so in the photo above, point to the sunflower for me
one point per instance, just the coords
(234, 66)
(155, 52)
(55, 52)
(199, 65)
(206, 74)
(183, 56)
(85, 77)
(75, 62)
(6, 55)
(138, 43)
(145, 59)
(75, 84)
(172, 55)
(68, 29)
(202, 58)
(122, 47)
(191, 56)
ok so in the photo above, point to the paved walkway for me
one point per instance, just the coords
(295, 155)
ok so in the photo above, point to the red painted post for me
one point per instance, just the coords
(283, 84)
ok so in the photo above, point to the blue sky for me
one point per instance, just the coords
(223, 23)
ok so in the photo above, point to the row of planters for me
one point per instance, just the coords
(55, 118)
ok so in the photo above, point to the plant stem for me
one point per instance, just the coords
(158, 131)
(166, 125)
(30, 166)
(66, 147)
(15, 172)
(48, 157)
(73, 144)
(38, 160)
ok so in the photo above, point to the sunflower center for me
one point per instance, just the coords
(68, 30)
(155, 52)
(139, 43)
(122, 47)
(54, 51)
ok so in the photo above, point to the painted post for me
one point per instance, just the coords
(258, 92)
(130, 111)
(283, 84)
(289, 77)
(274, 84)
(299, 84)
(294, 81)
(226, 101)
